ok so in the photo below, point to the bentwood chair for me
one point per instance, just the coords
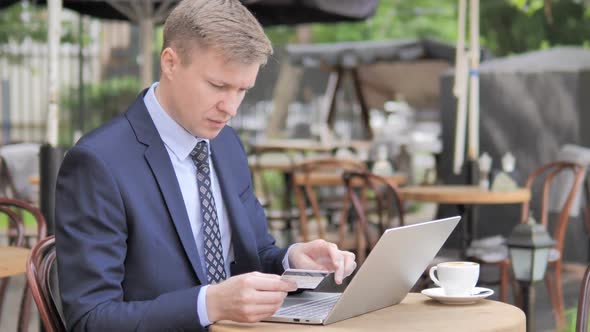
(7, 188)
(377, 206)
(16, 224)
(39, 268)
(22, 208)
(319, 182)
(549, 178)
(584, 303)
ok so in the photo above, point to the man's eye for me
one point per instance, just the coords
(217, 86)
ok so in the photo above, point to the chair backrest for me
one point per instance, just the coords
(373, 195)
(545, 176)
(16, 224)
(19, 206)
(39, 267)
(584, 303)
(311, 175)
(270, 160)
(22, 160)
(7, 188)
(25, 206)
(15, 239)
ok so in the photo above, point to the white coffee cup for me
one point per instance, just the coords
(456, 278)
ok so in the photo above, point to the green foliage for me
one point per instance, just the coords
(280, 35)
(528, 6)
(506, 26)
(19, 22)
(103, 100)
(13, 28)
(393, 19)
(396, 19)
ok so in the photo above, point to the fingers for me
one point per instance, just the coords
(269, 298)
(306, 262)
(268, 282)
(343, 263)
(247, 297)
(349, 263)
(337, 260)
(322, 255)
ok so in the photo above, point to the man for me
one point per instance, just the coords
(157, 226)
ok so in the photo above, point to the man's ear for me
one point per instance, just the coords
(168, 62)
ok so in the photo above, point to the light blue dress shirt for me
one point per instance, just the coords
(179, 143)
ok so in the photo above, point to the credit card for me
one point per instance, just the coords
(305, 279)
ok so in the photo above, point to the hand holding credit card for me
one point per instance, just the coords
(305, 279)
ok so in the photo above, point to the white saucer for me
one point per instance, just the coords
(439, 295)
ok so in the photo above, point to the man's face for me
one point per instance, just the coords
(205, 94)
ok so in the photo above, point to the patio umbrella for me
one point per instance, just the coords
(466, 89)
(148, 13)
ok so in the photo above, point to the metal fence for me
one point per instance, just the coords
(23, 82)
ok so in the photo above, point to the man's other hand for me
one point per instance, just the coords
(322, 255)
(247, 297)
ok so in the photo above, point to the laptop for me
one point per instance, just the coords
(392, 268)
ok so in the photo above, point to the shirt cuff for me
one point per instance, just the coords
(286, 263)
(202, 307)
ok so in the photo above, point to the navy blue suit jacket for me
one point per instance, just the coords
(126, 255)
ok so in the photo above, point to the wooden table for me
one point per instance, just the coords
(335, 179)
(465, 197)
(13, 261)
(416, 313)
(450, 194)
(304, 145)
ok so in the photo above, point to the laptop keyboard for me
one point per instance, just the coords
(313, 309)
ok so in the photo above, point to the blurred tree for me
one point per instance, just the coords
(103, 101)
(397, 19)
(393, 19)
(507, 26)
(515, 26)
(22, 21)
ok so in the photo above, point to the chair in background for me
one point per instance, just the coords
(16, 224)
(22, 162)
(567, 188)
(553, 277)
(278, 161)
(39, 269)
(7, 188)
(21, 207)
(584, 303)
(377, 206)
(319, 182)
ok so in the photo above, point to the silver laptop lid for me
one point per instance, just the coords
(392, 268)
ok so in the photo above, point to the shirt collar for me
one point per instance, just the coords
(175, 137)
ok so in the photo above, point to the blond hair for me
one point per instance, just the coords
(225, 25)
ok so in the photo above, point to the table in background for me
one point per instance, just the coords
(465, 197)
(305, 145)
(415, 313)
(13, 261)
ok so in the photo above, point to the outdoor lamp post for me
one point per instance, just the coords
(529, 245)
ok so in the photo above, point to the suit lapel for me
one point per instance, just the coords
(245, 255)
(159, 161)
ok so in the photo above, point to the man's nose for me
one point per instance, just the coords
(230, 104)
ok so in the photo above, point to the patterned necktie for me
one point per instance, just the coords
(215, 266)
